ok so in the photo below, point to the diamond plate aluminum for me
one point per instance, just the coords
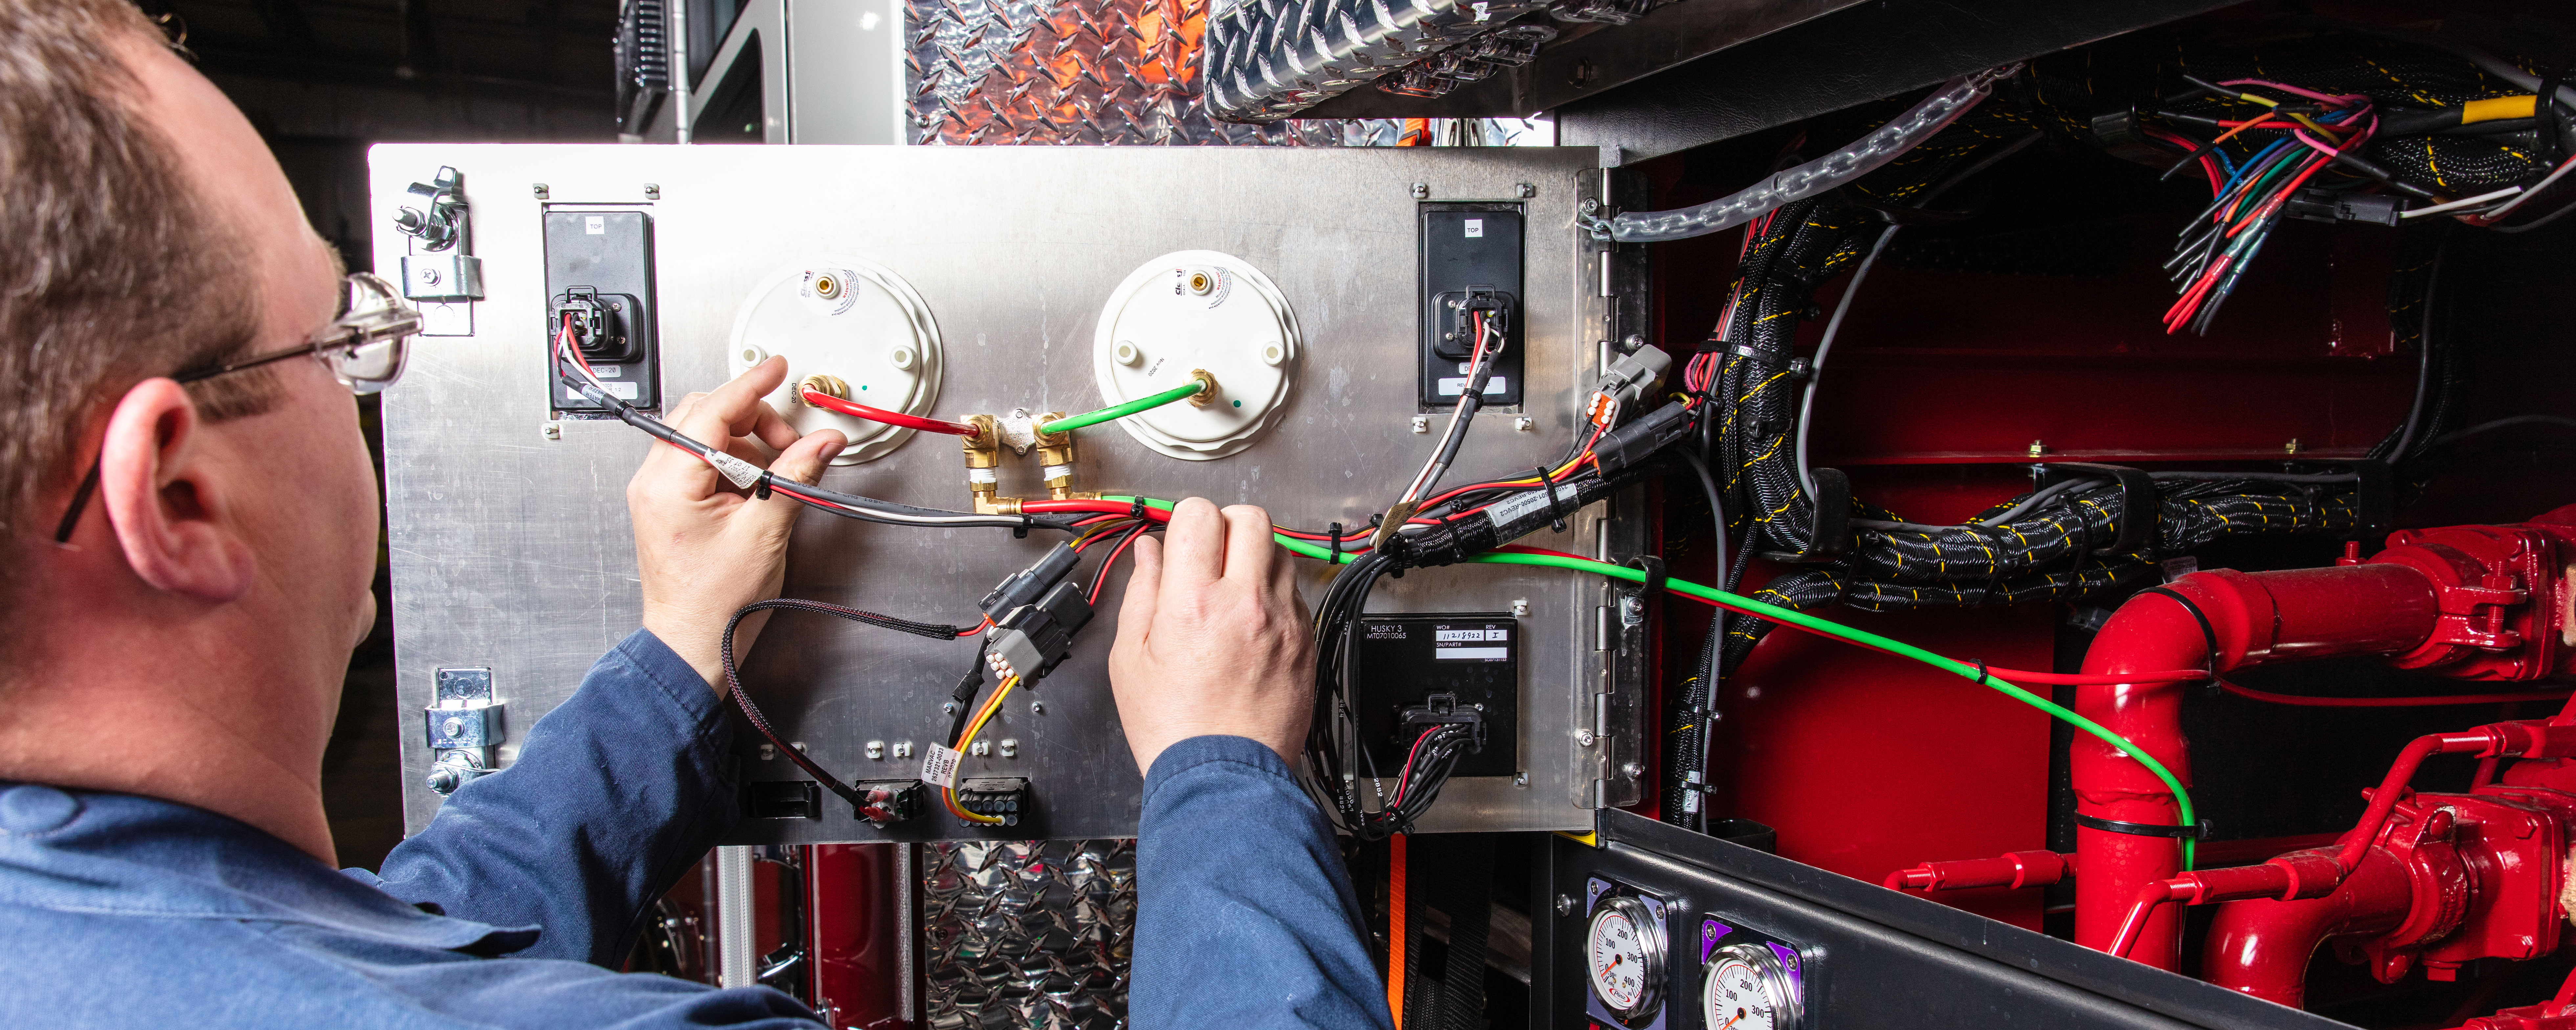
(1033, 934)
(1080, 72)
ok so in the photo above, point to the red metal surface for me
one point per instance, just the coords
(1865, 763)
(857, 934)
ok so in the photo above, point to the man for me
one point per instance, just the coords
(190, 515)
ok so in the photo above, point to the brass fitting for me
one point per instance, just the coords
(987, 504)
(1207, 396)
(983, 460)
(1055, 458)
(828, 386)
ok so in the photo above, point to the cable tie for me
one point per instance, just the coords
(2196, 832)
(1554, 520)
(1336, 532)
(760, 489)
(1981, 672)
(1657, 575)
(1745, 350)
(1136, 508)
(2208, 633)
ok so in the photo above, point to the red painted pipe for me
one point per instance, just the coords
(2016, 870)
(2262, 947)
(2254, 618)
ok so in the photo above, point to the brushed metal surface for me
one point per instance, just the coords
(513, 550)
(1034, 934)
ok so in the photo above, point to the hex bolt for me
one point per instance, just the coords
(768, 752)
(1527, 191)
(1520, 607)
(1632, 769)
(1584, 737)
(1524, 424)
(1421, 191)
(550, 430)
(948, 708)
(980, 748)
(876, 750)
(541, 191)
(1422, 423)
(1010, 747)
(652, 191)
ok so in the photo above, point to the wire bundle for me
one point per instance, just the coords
(2310, 133)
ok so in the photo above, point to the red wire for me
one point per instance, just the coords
(855, 409)
(1103, 575)
(1404, 781)
(2393, 702)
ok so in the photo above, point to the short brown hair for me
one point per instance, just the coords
(117, 269)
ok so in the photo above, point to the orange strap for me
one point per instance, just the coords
(1395, 929)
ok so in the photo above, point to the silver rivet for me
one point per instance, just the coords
(541, 191)
(551, 430)
(1422, 423)
(980, 748)
(1520, 607)
(1528, 191)
(1632, 769)
(652, 191)
(1037, 708)
(1565, 904)
(1421, 191)
(1524, 424)
(768, 752)
(876, 750)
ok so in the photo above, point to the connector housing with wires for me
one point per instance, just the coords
(1627, 379)
(1029, 641)
(1441, 710)
(1630, 445)
(994, 797)
(887, 802)
(1026, 586)
(1458, 310)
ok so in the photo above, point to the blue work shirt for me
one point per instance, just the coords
(120, 910)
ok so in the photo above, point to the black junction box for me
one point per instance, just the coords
(1401, 662)
(599, 272)
(1471, 261)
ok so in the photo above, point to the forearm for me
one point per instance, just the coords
(1238, 883)
(614, 794)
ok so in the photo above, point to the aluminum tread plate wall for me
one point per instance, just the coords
(1076, 71)
(514, 551)
(1035, 934)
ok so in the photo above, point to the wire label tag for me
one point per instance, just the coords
(1516, 507)
(939, 767)
(736, 471)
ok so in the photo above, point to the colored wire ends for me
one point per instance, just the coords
(1118, 411)
(948, 795)
(855, 409)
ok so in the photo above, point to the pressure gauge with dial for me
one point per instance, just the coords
(1748, 989)
(1625, 956)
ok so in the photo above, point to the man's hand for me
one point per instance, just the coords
(706, 550)
(1211, 638)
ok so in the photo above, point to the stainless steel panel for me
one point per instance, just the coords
(511, 549)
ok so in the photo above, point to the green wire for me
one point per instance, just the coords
(1775, 613)
(1122, 410)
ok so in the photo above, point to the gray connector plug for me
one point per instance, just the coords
(1630, 377)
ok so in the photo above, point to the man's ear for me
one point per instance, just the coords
(172, 511)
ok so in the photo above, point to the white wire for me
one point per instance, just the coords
(2534, 191)
(2460, 203)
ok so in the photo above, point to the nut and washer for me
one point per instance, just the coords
(903, 749)
(1421, 191)
(1010, 747)
(1422, 423)
(876, 750)
(1528, 190)
(1584, 737)
(1524, 424)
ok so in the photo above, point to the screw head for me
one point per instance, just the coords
(1524, 424)
(451, 727)
(551, 430)
(1521, 607)
(1591, 205)
(540, 190)
(652, 191)
(1422, 423)
(1584, 737)
(1632, 769)
(1565, 904)
(1037, 708)
(948, 708)
(1527, 191)
(1421, 191)
(429, 277)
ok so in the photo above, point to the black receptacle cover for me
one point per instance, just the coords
(1467, 248)
(611, 254)
(782, 799)
(1399, 661)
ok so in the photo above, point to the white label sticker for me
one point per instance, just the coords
(610, 372)
(741, 473)
(1517, 506)
(595, 225)
(939, 767)
(1476, 226)
(1485, 654)
(983, 476)
(1454, 387)
(1448, 635)
(622, 391)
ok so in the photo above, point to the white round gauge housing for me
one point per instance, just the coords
(1624, 957)
(1188, 312)
(1746, 988)
(856, 322)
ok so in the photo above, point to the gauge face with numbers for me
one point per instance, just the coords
(1746, 989)
(1624, 954)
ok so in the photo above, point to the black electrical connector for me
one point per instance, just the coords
(1630, 445)
(1441, 710)
(2316, 205)
(1031, 639)
(887, 802)
(1458, 309)
(1002, 797)
(1024, 587)
(599, 322)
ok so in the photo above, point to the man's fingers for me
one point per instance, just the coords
(1249, 551)
(803, 460)
(734, 408)
(772, 430)
(1144, 588)
(1194, 542)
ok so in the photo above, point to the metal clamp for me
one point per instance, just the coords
(463, 726)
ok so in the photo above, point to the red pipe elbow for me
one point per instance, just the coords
(2262, 947)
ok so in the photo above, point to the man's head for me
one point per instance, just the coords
(228, 550)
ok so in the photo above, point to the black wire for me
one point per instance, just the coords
(760, 722)
(2424, 346)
